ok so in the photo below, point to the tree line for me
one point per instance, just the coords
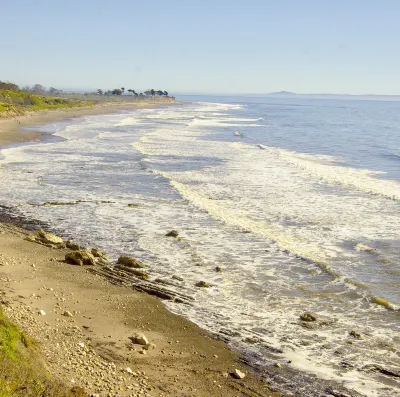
(122, 91)
(36, 89)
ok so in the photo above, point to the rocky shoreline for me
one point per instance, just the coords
(107, 339)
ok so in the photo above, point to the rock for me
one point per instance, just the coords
(133, 205)
(139, 339)
(218, 269)
(129, 370)
(365, 248)
(237, 374)
(72, 246)
(136, 272)
(149, 346)
(309, 317)
(42, 237)
(172, 233)
(67, 314)
(174, 277)
(277, 365)
(42, 312)
(142, 352)
(98, 254)
(202, 284)
(80, 258)
(131, 262)
(355, 334)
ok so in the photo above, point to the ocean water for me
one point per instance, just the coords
(296, 200)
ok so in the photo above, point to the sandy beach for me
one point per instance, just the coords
(86, 330)
(11, 128)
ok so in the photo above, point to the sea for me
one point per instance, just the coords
(288, 209)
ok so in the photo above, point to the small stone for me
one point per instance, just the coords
(237, 374)
(149, 346)
(139, 339)
(218, 269)
(129, 370)
(82, 345)
(67, 314)
(42, 312)
(355, 334)
(142, 352)
(202, 284)
(172, 233)
(277, 365)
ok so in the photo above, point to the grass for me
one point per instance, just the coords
(14, 103)
(22, 369)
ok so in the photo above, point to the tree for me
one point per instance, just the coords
(165, 93)
(99, 91)
(6, 85)
(116, 91)
(38, 89)
(122, 89)
(152, 92)
(53, 91)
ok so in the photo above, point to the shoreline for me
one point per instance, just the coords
(187, 359)
(11, 127)
(104, 315)
(198, 336)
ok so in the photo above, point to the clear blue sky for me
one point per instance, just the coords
(214, 46)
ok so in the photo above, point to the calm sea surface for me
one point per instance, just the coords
(298, 201)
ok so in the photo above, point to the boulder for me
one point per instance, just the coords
(309, 317)
(72, 246)
(172, 233)
(237, 374)
(131, 262)
(42, 237)
(98, 254)
(80, 258)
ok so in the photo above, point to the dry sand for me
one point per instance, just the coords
(92, 348)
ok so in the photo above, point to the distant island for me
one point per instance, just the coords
(357, 97)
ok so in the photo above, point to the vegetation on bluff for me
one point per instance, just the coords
(22, 371)
(16, 101)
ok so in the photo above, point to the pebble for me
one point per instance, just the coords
(237, 374)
